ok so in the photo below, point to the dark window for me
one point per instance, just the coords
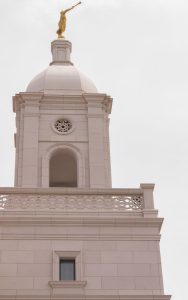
(67, 269)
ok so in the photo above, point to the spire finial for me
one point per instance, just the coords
(63, 20)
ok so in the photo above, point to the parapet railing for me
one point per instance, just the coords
(76, 200)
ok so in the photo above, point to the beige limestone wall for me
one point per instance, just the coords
(109, 267)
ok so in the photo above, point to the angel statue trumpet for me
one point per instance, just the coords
(63, 21)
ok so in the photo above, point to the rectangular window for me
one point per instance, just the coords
(67, 269)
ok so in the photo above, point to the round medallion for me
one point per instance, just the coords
(63, 126)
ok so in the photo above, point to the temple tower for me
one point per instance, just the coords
(62, 124)
(65, 232)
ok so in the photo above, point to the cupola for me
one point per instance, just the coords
(61, 77)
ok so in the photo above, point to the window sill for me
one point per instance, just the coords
(67, 284)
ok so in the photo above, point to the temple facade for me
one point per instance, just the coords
(65, 232)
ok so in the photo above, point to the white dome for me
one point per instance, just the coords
(61, 79)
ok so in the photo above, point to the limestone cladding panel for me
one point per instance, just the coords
(17, 143)
(109, 267)
(19, 147)
(76, 232)
(98, 160)
(107, 150)
(30, 145)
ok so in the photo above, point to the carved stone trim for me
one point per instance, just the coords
(71, 191)
(67, 284)
(80, 203)
(85, 297)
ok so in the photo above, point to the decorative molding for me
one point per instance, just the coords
(32, 114)
(94, 219)
(103, 99)
(67, 253)
(79, 237)
(77, 199)
(95, 116)
(92, 203)
(63, 129)
(67, 284)
(85, 297)
(67, 63)
(70, 191)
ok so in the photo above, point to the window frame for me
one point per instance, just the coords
(71, 260)
(74, 255)
(58, 285)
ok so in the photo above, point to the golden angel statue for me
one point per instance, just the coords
(63, 21)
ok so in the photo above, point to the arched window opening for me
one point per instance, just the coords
(63, 169)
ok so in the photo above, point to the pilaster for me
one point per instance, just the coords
(27, 108)
(99, 159)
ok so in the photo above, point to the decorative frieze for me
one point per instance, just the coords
(72, 202)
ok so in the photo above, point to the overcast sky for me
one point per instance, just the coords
(137, 52)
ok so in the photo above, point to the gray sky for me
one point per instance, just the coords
(136, 51)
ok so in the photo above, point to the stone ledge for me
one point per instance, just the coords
(71, 191)
(85, 297)
(67, 284)
(81, 220)
(87, 237)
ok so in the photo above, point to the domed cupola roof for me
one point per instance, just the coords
(61, 77)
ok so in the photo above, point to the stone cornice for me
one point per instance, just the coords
(24, 97)
(147, 186)
(68, 99)
(105, 100)
(79, 237)
(70, 191)
(85, 297)
(25, 218)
